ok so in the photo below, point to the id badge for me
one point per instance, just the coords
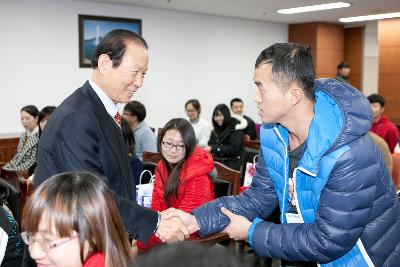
(292, 218)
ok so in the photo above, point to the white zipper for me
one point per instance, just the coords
(284, 188)
(294, 189)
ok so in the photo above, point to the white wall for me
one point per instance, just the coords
(191, 56)
(370, 59)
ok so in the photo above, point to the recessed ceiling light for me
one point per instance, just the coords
(371, 17)
(312, 8)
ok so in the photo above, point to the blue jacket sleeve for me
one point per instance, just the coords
(259, 200)
(343, 211)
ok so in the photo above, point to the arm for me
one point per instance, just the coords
(259, 200)
(76, 147)
(343, 211)
(157, 199)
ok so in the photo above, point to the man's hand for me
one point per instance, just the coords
(188, 219)
(239, 226)
(171, 230)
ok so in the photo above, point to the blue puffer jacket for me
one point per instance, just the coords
(346, 197)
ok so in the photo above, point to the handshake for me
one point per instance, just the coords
(176, 225)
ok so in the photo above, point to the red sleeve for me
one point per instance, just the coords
(157, 199)
(198, 190)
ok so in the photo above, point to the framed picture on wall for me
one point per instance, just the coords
(93, 28)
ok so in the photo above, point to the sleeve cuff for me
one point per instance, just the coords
(158, 222)
(251, 230)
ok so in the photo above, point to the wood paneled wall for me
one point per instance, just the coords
(389, 66)
(326, 41)
(353, 50)
(8, 148)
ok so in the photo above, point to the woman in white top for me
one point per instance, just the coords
(201, 127)
(28, 142)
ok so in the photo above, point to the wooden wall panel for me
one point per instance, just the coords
(389, 66)
(353, 49)
(8, 148)
(305, 34)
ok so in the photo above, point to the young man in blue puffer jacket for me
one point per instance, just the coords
(337, 201)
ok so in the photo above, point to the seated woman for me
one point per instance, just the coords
(200, 126)
(226, 138)
(71, 220)
(28, 142)
(181, 177)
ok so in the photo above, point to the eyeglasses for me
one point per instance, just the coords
(169, 145)
(45, 244)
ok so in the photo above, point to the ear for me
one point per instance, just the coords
(104, 64)
(382, 109)
(295, 94)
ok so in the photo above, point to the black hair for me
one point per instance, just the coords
(224, 110)
(236, 99)
(189, 140)
(31, 109)
(45, 113)
(343, 65)
(195, 103)
(291, 63)
(184, 254)
(375, 98)
(136, 108)
(128, 135)
(114, 45)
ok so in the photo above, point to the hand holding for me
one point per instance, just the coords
(239, 226)
(188, 219)
(171, 230)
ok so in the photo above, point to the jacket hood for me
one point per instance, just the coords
(341, 115)
(199, 163)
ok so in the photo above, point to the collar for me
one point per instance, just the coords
(110, 106)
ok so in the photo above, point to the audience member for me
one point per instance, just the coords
(44, 116)
(343, 72)
(201, 127)
(145, 139)
(226, 138)
(382, 125)
(11, 247)
(181, 177)
(343, 206)
(72, 220)
(237, 108)
(84, 132)
(136, 163)
(186, 254)
(27, 145)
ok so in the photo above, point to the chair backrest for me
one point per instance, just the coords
(396, 169)
(230, 175)
(153, 157)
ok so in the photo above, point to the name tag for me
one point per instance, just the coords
(292, 218)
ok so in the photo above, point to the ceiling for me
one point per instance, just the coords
(266, 9)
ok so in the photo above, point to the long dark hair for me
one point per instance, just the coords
(224, 110)
(171, 184)
(81, 202)
(128, 135)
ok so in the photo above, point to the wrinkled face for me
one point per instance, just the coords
(66, 252)
(237, 108)
(272, 102)
(344, 72)
(28, 121)
(172, 146)
(191, 112)
(377, 110)
(122, 82)
(219, 118)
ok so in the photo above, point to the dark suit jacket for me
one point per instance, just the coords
(81, 135)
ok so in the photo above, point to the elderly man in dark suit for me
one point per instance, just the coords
(84, 132)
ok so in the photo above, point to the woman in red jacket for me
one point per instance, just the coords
(181, 176)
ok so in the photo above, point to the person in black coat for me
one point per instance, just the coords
(226, 138)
